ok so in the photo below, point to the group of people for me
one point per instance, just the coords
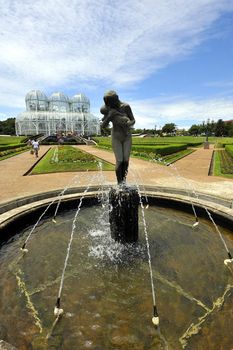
(34, 147)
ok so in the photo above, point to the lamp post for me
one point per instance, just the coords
(206, 143)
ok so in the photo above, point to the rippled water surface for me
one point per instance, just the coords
(107, 293)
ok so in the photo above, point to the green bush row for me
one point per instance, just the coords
(161, 150)
(190, 141)
(13, 146)
(229, 150)
(12, 150)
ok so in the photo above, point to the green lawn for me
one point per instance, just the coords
(68, 158)
(7, 140)
(190, 140)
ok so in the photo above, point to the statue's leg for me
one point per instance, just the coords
(126, 154)
(117, 147)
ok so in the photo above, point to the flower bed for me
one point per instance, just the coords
(7, 152)
(68, 158)
(226, 162)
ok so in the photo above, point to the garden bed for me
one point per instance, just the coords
(68, 158)
(223, 164)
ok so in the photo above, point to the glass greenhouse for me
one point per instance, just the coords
(56, 114)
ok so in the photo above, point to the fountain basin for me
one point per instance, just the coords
(107, 296)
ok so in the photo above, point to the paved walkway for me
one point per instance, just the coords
(194, 168)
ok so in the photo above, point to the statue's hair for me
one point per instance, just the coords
(111, 99)
(110, 93)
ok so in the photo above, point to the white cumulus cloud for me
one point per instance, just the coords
(48, 43)
(182, 111)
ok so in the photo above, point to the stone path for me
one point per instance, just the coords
(194, 168)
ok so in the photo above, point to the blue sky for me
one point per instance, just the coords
(171, 60)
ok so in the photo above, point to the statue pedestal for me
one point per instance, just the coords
(123, 216)
(206, 145)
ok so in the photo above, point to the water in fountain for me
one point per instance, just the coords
(107, 293)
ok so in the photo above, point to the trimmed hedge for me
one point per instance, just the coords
(12, 151)
(229, 150)
(150, 141)
(12, 146)
(161, 150)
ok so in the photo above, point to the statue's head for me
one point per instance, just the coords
(111, 99)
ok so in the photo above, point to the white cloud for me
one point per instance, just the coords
(49, 43)
(182, 111)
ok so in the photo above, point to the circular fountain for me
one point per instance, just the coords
(106, 295)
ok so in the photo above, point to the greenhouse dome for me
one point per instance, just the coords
(56, 114)
(59, 102)
(80, 103)
(36, 101)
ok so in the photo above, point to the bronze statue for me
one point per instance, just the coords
(121, 116)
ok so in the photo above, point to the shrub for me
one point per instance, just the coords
(13, 146)
(229, 150)
(162, 150)
(12, 151)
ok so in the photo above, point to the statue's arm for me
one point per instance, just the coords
(107, 116)
(130, 115)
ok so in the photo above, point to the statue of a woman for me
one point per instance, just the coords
(121, 116)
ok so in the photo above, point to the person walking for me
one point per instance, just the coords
(36, 147)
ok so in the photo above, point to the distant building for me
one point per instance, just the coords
(56, 114)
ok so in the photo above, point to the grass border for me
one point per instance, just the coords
(217, 167)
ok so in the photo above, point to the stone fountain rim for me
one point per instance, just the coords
(14, 210)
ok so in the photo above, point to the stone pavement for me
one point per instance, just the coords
(188, 173)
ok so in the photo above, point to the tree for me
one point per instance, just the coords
(220, 128)
(194, 130)
(169, 128)
(229, 129)
(7, 127)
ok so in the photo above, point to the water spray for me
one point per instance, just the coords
(23, 248)
(143, 188)
(190, 197)
(155, 318)
(160, 160)
(229, 260)
(59, 202)
(57, 310)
